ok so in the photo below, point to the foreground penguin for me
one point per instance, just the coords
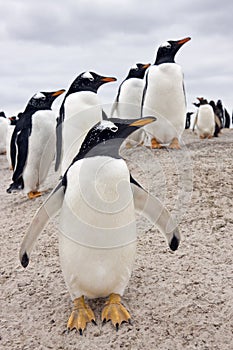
(129, 97)
(164, 97)
(80, 110)
(97, 232)
(205, 119)
(3, 132)
(33, 144)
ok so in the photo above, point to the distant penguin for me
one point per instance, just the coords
(33, 144)
(205, 120)
(129, 97)
(218, 119)
(80, 110)
(188, 120)
(3, 132)
(227, 119)
(164, 97)
(97, 238)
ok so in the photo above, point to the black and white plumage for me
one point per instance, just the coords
(3, 132)
(129, 96)
(164, 97)
(33, 142)
(205, 119)
(98, 200)
(80, 110)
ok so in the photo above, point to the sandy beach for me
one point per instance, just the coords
(181, 300)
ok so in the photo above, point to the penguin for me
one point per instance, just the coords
(205, 119)
(33, 144)
(227, 119)
(218, 119)
(164, 97)
(129, 96)
(80, 110)
(188, 120)
(3, 132)
(97, 199)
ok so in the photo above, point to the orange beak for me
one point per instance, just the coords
(59, 92)
(108, 79)
(183, 41)
(146, 66)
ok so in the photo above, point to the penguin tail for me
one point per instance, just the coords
(48, 209)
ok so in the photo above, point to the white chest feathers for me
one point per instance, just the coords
(130, 98)
(82, 111)
(205, 121)
(165, 99)
(97, 226)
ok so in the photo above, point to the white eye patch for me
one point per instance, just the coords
(166, 44)
(39, 95)
(88, 75)
(105, 124)
(134, 66)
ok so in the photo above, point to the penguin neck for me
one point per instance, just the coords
(32, 109)
(108, 148)
(164, 59)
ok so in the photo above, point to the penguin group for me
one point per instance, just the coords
(97, 196)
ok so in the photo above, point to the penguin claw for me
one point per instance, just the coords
(114, 311)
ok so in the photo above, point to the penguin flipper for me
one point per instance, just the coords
(156, 212)
(22, 151)
(60, 121)
(48, 209)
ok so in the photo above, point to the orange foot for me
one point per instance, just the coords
(80, 316)
(155, 144)
(114, 311)
(32, 194)
(175, 144)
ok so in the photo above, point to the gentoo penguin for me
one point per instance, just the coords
(80, 110)
(129, 96)
(188, 120)
(227, 119)
(33, 143)
(97, 230)
(164, 97)
(205, 119)
(3, 132)
(217, 117)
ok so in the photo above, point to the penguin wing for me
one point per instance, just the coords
(115, 103)
(60, 121)
(21, 148)
(13, 148)
(144, 93)
(48, 209)
(156, 212)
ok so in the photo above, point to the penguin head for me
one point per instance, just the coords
(2, 114)
(167, 51)
(137, 71)
(106, 137)
(89, 81)
(44, 100)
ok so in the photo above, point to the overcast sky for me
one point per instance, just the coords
(45, 44)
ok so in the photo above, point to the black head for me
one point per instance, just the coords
(89, 81)
(43, 100)
(2, 114)
(167, 51)
(138, 71)
(106, 137)
(13, 120)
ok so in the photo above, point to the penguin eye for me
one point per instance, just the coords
(114, 128)
(167, 45)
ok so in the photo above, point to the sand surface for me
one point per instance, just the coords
(181, 300)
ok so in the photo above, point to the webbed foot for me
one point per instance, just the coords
(114, 311)
(80, 316)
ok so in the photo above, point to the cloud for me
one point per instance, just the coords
(46, 44)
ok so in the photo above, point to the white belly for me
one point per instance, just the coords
(97, 240)
(130, 99)
(165, 100)
(82, 111)
(41, 150)
(3, 133)
(8, 143)
(205, 121)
